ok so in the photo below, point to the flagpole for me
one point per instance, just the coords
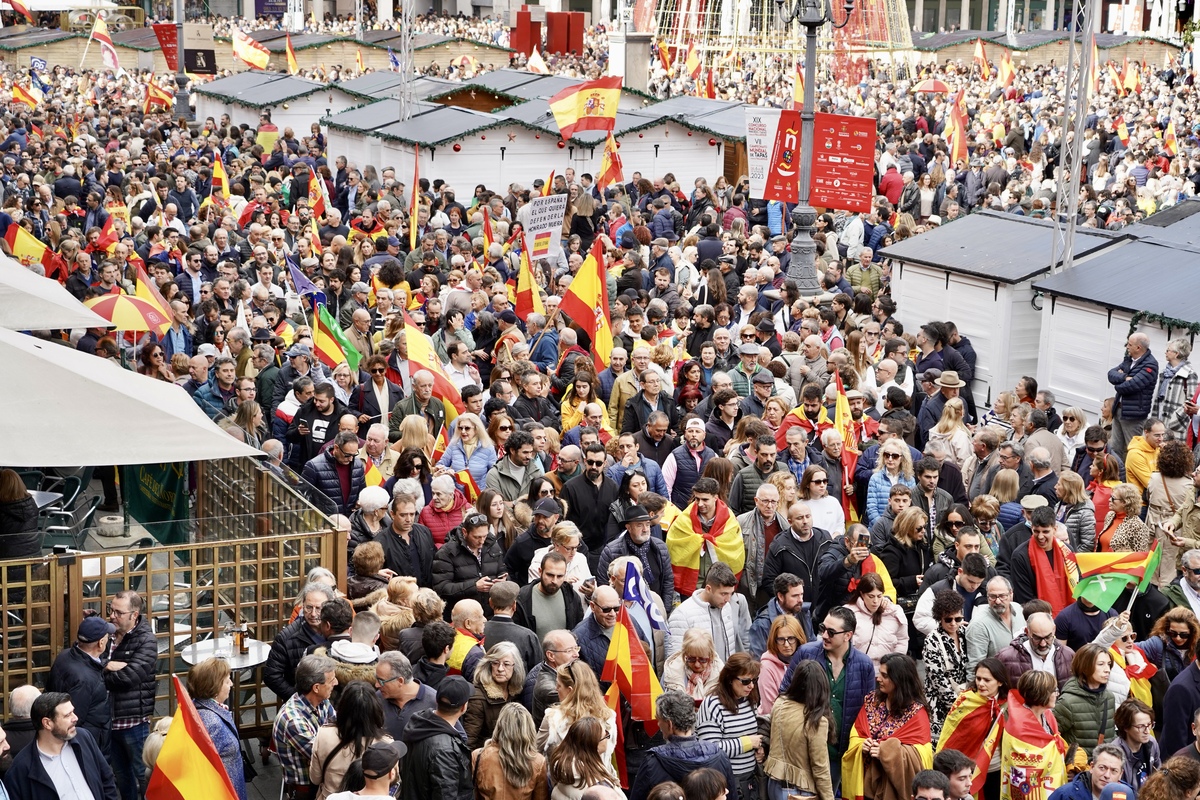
(89, 42)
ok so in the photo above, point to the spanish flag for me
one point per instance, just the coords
(691, 63)
(1022, 742)
(28, 249)
(489, 235)
(293, 66)
(914, 734)
(1122, 131)
(586, 304)
(358, 59)
(536, 63)
(1133, 77)
(421, 356)
(872, 564)
(1115, 77)
(29, 95)
(220, 181)
(467, 481)
(107, 240)
(108, 53)
(188, 766)
(686, 541)
(316, 197)
(957, 135)
(590, 106)
(315, 236)
(1139, 675)
(611, 169)
(627, 668)
(372, 475)
(981, 61)
(250, 51)
(439, 444)
(1007, 71)
(330, 344)
(529, 300)
(664, 55)
(147, 290)
(1170, 143)
(968, 722)
(156, 96)
(21, 9)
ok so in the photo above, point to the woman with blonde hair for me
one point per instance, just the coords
(984, 509)
(775, 409)
(1005, 487)
(395, 610)
(694, 668)
(998, 415)
(895, 467)
(579, 697)
(565, 539)
(470, 448)
(1124, 531)
(1076, 512)
(414, 432)
(951, 430)
(499, 678)
(785, 482)
(509, 766)
(906, 556)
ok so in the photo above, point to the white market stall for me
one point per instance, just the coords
(294, 102)
(978, 272)
(1087, 314)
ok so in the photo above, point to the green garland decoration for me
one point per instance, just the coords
(1170, 323)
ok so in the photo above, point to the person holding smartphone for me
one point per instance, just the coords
(839, 569)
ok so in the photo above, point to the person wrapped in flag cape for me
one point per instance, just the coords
(705, 533)
(975, 711)
(890, 741)
(1026, 736)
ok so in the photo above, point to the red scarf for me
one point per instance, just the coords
(1053, 586)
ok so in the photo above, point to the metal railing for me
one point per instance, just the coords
(240, 567)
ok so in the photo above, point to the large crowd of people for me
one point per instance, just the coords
(872, 604)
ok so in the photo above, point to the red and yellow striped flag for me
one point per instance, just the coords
(293, 66)
(980, 58)
(590, 106)
(372, 475)
(692, 63)
(873, 564)
(686, 540)
(249, 50)
(188, 766)
(1169, 141)
(358, 59)
(628, 669)
(611, 169)
(148, 291)
(22, 9)
(470, 488)
(29, 95)
(421, 356)
(968, 722)
(528, 300)
(440, 444)
(28, 249)
(316, 236)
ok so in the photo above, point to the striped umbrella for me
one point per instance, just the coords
(932, 86)
(128, 313)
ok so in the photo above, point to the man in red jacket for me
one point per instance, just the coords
(891, 185)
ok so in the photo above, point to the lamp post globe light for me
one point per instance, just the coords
(813, 15)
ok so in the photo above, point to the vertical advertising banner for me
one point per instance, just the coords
(761, 124)
(844, 162)
(783, 171)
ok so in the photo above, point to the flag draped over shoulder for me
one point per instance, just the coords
(590, 106)
(686, 541)
(586, 304)
(913, 733)
(1029, 754)
(872, 564)
(968, 723)
(188, 767)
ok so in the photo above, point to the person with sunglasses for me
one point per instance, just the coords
(728, 716)
(373, 401)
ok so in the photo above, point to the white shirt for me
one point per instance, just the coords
(274, 289)
(1042, 664)
(66, 774)
(459, 377)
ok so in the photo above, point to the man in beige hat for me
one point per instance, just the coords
(949, 385)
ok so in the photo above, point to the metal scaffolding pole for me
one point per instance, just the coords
(405, 57)
(1077, 89)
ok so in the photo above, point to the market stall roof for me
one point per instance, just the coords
(373, 116)
(927, 42)
(442, 124)
(30, 302)
(1179, 223)
(147, 421)
(34, 37)
(1110, 279)
(996, 246)
(300, 41)
(259, 89)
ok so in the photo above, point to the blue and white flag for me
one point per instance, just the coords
(393, 60)
(636, 591)
(38, 63)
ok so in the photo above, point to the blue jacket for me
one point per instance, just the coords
(1078, 789)
(479, 463)
(674, 759)
(27, 779)
(654, 476)
(545, 353)
(321, 472)
(1135, 396)
(878, 489)
(210, 399)
(168, 344)
(860, 680)
(593, 645)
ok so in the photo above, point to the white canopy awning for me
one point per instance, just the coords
(65, 408)
(30, 302)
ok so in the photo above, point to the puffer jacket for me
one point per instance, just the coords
(889, 636)
(695, 613)
(674, 759)
(456, 569)
(441, 522)
(1018, 661)
(132, 688)
(286, 651)
(1134, 386)
(19, 535)
(321, 472)
(1080, 520)
(1083, 715)
(478, 463)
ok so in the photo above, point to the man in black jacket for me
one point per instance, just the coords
(292, 642)
(314, 424)
(54, 718)
(546, 513)
(130, 675)
(407, 546)
(501, 628)
(79, 672)
(439, 761)
(681, 752)
(531, 405)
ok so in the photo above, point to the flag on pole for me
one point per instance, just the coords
(188, 766)
(1095, 73)
(586, 304)
(664, 55)
(293, 65)
(21, 9)
(611, 169)
(358, 59)
(38, 63)
(981, 61)
(28, 249)
(250, 51)
(414, 192)
(1115, 78)
(421, 356)
(156, 96)
(692, 63)
(330, 344)
(529, 300)
(304, 287)
(1132, 78)
(536, 63)
(635, 590)
(440, 443)
(1104, 576)
(315, 236)
(1008, 72)
(1170, 143)
(489, 235)
(316, 197)
(30, 96)
(220, 181)
(957, 135)
(1122, 131)
(590, 106)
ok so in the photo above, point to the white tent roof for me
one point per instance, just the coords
(30, 302)
(51, 421)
